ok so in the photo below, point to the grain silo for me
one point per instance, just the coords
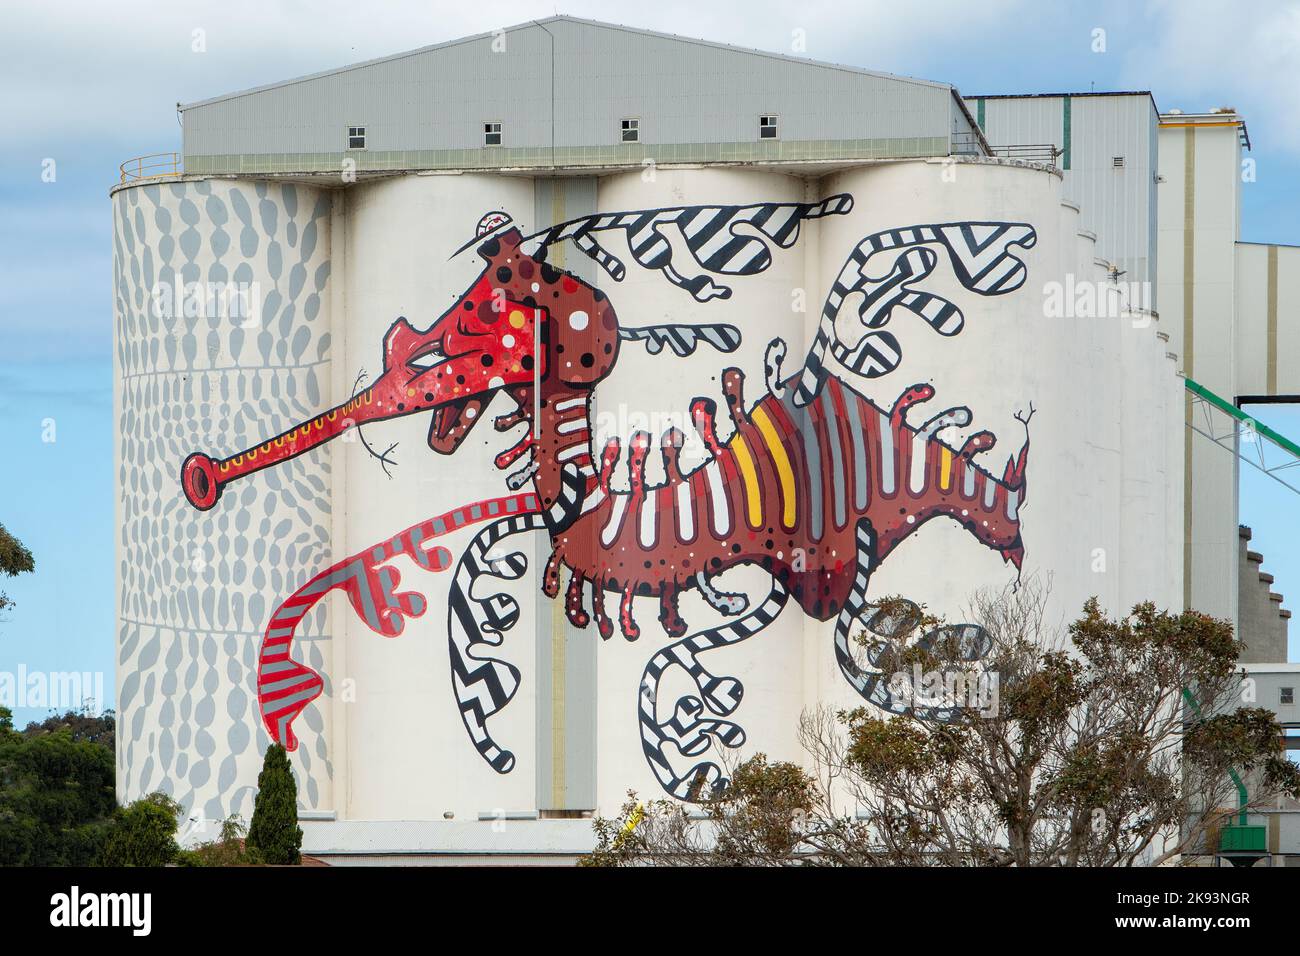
(759, 339)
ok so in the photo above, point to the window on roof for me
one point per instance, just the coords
(631, 130)
(767, 126)
(491, 134)
(356, 137)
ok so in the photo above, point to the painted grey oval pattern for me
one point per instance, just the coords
(195, 588)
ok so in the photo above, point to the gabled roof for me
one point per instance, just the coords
(561, 18)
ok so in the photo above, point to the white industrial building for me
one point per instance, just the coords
(1072, 259)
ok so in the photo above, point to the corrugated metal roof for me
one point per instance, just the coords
(562, 18)
(560, 99)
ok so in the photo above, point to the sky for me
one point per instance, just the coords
(90, 84)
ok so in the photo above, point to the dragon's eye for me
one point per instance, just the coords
(427, 357)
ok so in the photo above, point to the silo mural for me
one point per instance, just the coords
(675, 454)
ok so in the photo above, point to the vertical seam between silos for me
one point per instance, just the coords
(559, 633)
(1272, 320)
(1065, 133)
(1189, 303)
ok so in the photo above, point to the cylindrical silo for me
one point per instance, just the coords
(710, 290)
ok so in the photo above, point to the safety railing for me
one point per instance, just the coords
(1029, 152)
(153, 166)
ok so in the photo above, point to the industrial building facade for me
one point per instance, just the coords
(750, 329)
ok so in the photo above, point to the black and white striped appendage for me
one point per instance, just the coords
(689, 728)
(484, 685)
(683, 339)
(873, 686)
(709, 233)
(568, 504)
(981, 257)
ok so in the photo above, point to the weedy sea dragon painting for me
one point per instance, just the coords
(798, 464)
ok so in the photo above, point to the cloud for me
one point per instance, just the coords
(116, 70)
(1198, 56)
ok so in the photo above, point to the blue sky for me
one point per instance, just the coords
(90, 84)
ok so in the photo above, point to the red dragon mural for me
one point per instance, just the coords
(807, 479)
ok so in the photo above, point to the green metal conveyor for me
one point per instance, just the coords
(1251, 440)
(1259, 446)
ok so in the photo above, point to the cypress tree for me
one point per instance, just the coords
(274, 832)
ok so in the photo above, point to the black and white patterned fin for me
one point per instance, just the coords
(982, 258)
(711, 234)
(683, 339)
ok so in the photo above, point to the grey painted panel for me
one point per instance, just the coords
(1119, 205)
(1031, 120)
(1116, 203)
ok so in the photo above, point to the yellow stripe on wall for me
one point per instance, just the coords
(783, 470)
(745, 461)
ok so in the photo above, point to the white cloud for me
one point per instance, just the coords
(116, 70)
(1200, 54)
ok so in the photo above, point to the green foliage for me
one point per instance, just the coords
(81, 725)
(56, 797)
(15, 559)
(229, 849)
(274, 834)
(1248, 740)
(143, 833)
(1083, 754)
(755, 820)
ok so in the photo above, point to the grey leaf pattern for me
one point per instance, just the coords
(195, 587)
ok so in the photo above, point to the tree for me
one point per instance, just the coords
(56, 797)
(143, 833)
(274, 833)
(754, 821)
(81, 725)
(229, 849)
(15, 559)
(1112, 743)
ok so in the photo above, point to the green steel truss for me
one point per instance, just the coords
(1252, 441)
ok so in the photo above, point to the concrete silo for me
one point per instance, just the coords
(728, 393)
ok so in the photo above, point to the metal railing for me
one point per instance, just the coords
(153, 166)
(968, 144)
(1030, 152)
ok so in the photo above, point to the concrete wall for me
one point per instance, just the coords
(1263, 621)
(1200, 166)
(1267, 320)
(385, 740)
